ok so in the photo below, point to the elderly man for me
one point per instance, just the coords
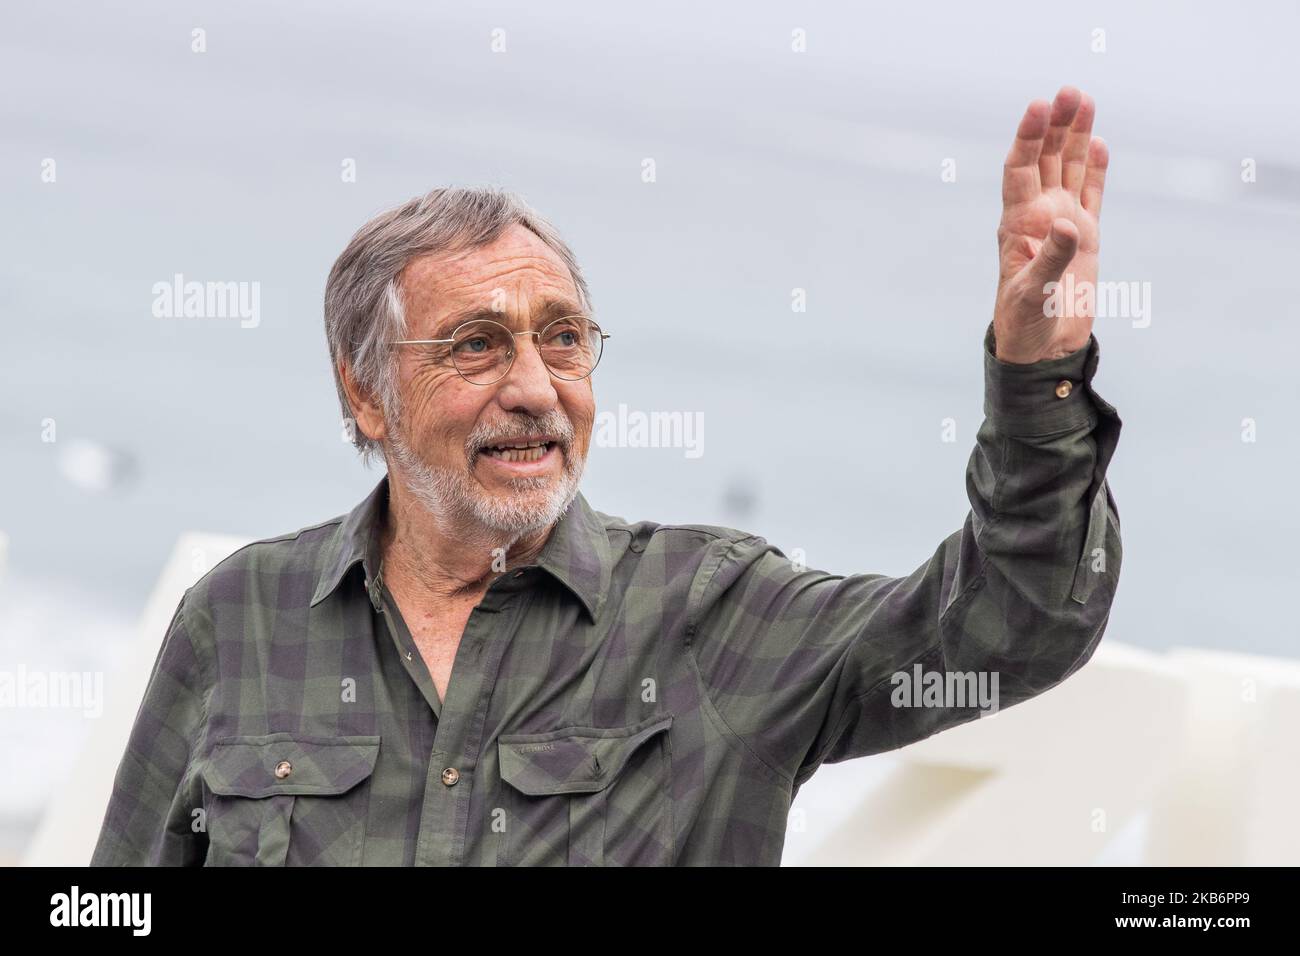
(474, 667)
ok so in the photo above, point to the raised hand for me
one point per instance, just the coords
(1052, 183)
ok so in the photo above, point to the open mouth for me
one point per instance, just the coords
(519, 451)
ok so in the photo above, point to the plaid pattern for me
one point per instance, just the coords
(644, 694)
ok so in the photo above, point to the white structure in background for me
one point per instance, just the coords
(1195, 751)
(68, 831)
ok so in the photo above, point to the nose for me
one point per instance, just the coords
(527, 387)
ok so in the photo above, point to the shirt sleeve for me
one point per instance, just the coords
(805, 667)
(151, 818)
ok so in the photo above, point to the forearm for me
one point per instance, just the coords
(1044, 522)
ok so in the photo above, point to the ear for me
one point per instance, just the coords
(367, 411)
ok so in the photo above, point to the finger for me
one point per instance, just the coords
(1055, 255)
(1064, 107)
(1020, 170)
(1094, 179)
(1074, 156)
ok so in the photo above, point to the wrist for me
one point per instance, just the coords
(1038, 397)
(1050, 353)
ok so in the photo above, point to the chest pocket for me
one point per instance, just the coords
(287, 800)
(588, 796)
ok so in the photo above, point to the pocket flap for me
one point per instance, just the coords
(573, 759)
(247, 766)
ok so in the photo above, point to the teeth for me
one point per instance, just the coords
(520, 451)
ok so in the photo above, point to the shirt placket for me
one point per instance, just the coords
(453, 763)
(407, 652)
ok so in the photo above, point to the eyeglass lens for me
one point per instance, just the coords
(483, 350)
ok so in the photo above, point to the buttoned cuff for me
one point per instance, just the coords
(1041, 398)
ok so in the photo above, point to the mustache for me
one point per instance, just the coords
(519, 427)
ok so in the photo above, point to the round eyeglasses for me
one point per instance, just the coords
(483, 351)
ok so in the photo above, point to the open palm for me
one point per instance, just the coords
(1051, 200)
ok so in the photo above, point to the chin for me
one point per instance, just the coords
(510, 506)
(525, 504)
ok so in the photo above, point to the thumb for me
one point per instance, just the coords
(1056, 253)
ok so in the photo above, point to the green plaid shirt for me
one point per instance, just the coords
(643, 694)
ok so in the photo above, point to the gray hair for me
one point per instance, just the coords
(364, 310)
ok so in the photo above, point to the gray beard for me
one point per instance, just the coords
(460, 505)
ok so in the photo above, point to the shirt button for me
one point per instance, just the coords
(450, 776)
(1063, 388)
(283, 769)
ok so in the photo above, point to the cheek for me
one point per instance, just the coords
(580, 406)
(439, 413)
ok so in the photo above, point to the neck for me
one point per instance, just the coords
(426, 556)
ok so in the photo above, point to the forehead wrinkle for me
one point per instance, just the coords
(545, 306)
(541, 264)
(438, 286)
(427, 305)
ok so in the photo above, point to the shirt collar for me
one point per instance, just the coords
(355, 539)
(576, 554)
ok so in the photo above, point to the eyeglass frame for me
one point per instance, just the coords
(514, 352)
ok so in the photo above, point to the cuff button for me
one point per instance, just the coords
(1063, 388)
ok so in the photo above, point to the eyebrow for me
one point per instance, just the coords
(543, 312)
